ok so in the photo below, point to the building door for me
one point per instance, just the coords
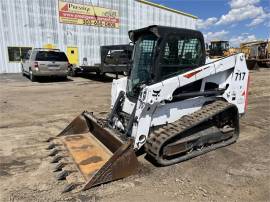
(73, 55)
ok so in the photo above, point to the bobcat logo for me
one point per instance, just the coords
(156, 93)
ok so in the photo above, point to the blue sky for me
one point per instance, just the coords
(234, 20)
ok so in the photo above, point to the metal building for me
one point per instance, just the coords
(78, 27)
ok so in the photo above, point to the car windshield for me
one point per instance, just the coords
(143, 60)
(51, 56)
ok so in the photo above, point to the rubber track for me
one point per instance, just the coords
(159, 136)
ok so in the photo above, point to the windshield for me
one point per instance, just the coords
(220, 45)
(180, 54)
(51, 56)
(224, 45)
(143, 59)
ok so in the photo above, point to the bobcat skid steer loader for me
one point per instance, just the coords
(172, 105)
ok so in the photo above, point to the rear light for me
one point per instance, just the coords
(36, 64)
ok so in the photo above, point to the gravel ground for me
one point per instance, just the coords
(31, 112)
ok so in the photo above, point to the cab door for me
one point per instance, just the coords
(73, 55)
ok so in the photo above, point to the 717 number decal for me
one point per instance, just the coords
(240, 76)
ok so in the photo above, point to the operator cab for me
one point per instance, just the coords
(162, 52)
(217, 48)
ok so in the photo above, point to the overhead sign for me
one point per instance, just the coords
(81, 14)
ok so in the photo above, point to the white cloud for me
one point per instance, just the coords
(240, 10)
(260, 19)
(242, 3)
(240, 14)
(235, 41)
(255, 22)
(204, 24)
(210, 36)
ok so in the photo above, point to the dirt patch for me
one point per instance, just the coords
(33, 112)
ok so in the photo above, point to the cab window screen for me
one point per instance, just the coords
(180, 54)
(51, 56)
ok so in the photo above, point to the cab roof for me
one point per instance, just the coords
(161, 31)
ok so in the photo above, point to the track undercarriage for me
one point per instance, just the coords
(215, 125)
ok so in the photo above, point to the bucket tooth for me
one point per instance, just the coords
(59, 167)
(49, 139)
(62, 175)
(51, 146)
(54, 152)
(69, 187)
(56, 159)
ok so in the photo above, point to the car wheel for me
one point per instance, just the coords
(256, 66)
(64, 78)
(71, 72)
(31, 76)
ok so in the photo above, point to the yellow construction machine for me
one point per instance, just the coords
(257, 53)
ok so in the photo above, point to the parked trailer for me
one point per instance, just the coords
(114, 59)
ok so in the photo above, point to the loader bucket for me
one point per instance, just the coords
(88, 154)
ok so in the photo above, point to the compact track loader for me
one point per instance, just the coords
(172, 105)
